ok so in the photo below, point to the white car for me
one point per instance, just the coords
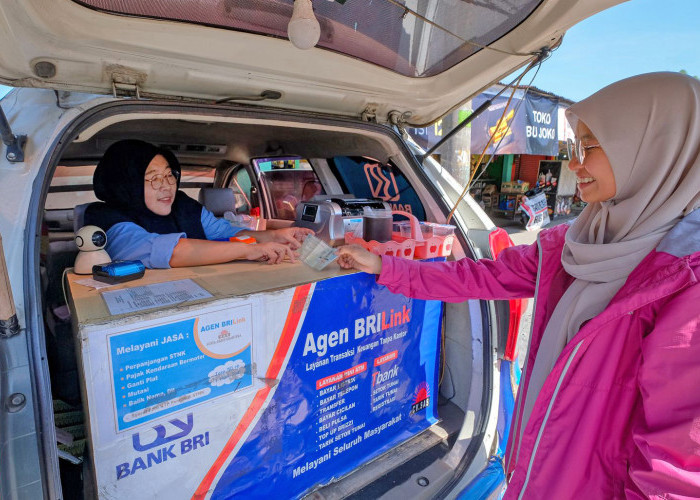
(220, 85)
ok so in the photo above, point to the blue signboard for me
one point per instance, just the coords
(361, 378)
(541, 122)
(165, 368)
(528, 127)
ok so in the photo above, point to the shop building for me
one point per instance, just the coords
(527, 149)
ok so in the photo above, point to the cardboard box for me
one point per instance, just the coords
(515, 187)
(281, 379)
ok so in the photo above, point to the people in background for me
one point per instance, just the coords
(608, 405)
(147, 218)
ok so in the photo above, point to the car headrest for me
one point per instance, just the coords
(218, 200)
(79, 216)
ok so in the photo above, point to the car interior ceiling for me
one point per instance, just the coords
(243, 142)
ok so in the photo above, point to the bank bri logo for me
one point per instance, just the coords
(162, 436)
(382, 184)
(166, 445)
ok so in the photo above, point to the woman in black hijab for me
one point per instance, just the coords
(147, 218)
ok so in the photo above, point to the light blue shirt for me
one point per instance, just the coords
(129, 241)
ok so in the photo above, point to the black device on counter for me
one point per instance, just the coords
(119, 271)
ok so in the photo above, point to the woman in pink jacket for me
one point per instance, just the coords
(609, 403)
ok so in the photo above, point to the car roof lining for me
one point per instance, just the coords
(244, 139)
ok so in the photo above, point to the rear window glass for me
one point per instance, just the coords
(72, 185)
(378, 31)
(366, 178)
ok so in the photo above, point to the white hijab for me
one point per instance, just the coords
(649, 127)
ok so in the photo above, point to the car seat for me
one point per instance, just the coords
(218, 200)
(79, 216)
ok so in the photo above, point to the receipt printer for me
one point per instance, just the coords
(331, 216)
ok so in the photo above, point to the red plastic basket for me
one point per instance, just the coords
(408, 248)
(426, 248)
(405, 249)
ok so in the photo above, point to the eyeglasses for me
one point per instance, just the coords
(576, 149)
(158, 180)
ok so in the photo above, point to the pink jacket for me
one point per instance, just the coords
(619, 416)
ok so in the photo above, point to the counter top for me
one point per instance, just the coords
(228, 280)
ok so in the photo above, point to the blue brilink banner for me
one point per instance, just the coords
(361, 377)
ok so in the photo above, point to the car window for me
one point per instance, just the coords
(195, 177)
(404, 41)
(244, 191)
(288, 181)
(72, 185)
(366, 178)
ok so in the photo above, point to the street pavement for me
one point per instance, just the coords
(521, 236)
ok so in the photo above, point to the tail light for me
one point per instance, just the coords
(498, 240)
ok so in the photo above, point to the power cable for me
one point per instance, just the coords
(537, 62)
(517, 107)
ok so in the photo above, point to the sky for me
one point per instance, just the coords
(635, 37)
(638, 36)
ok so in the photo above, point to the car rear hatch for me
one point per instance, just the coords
(418, 60)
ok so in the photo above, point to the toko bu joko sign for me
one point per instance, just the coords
(528, 127)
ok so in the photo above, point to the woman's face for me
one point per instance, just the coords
(594, 178)
(160, 200)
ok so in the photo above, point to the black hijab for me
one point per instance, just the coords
(119, 182)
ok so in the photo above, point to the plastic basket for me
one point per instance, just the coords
(437, 245)
(414, 247)
(405, 249)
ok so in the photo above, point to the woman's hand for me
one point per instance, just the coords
(292, 236)
(356, 257)
(273, 253)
